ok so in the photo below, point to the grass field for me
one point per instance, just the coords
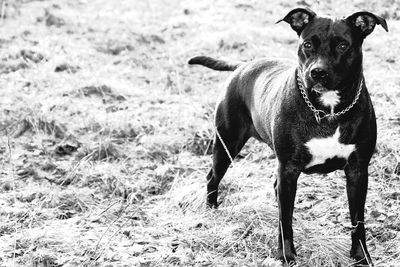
(106, 137)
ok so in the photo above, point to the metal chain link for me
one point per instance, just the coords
(317, 112)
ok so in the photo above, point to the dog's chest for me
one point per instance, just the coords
(324, 148)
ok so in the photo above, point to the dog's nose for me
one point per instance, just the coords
(319, 74)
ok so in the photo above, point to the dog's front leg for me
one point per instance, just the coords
(286, 192)
(357, 183)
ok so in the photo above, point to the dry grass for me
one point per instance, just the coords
(106, 137)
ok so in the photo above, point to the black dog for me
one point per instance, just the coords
(316, 116)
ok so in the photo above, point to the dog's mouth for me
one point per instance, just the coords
(319, 89)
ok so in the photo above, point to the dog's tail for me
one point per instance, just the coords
(215, 64)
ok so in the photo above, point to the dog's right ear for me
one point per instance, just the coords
(298, 18)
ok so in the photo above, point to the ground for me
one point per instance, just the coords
(106, 135)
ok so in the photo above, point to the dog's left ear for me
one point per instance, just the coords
(298, 18)
(365, 22)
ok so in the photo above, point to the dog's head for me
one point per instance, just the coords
(329, 50)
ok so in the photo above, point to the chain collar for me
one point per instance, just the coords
(317, 112)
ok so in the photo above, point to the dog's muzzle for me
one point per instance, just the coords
(319, 89)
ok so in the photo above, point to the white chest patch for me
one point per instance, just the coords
(330, 99)
(322, 149)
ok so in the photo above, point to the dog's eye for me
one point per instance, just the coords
(307, 45)
(342, 46)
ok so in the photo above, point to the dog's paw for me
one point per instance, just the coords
(289, 264)
(288, 258)
(361, 260)
(212, 205)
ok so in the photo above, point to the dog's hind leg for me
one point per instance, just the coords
(233, 133)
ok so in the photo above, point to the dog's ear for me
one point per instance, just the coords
(298, 18)
(364, 22)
